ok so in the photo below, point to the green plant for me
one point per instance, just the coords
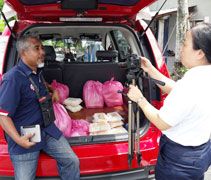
(1, 4)
(178, 71)
(1, 25)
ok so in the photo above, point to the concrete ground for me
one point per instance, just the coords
(208, 174)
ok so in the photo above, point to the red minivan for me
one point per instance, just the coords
(67, 28)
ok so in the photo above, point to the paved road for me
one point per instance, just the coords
(208, 174)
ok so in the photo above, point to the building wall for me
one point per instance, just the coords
(172, 41)
(169, 4)
(201, 11)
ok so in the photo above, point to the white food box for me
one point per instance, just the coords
(72, 101)
(74, 108)
(98, 117)
(99, 126)
(115, 124)
(114, 116)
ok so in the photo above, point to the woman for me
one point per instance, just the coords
(185, 118)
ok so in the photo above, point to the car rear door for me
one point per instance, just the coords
(54, 10)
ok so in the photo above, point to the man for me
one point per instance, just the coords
(19, 106)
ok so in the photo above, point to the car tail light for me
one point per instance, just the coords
(152, 171)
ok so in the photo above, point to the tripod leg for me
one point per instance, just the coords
(138, 137)
(131, 130)
(130, 135)
(134, 108)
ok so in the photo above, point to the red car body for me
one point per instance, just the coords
(104, 160)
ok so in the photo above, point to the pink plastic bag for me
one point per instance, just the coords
(92, 94)
(63, 120)
(80, 128)
(62, 89)
(111, 97)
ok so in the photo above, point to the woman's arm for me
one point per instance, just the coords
(154, 73)
(152, 115)
(150, 111)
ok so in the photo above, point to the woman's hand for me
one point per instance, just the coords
(146, 65)
(134, 93)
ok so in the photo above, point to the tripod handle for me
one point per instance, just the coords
(158, 82)
(122, 93)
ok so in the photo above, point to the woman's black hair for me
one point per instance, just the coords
(201, 35)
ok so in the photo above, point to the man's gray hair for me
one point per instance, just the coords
(23, 43)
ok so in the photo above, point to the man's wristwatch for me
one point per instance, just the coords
(140, 99)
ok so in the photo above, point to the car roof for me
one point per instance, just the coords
(55, 10)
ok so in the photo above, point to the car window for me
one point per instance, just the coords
(108, 43)
(122, 44)
(69, 49)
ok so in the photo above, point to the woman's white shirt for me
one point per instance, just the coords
(188, 108)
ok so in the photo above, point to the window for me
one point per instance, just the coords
(122, 45)
(72, 49)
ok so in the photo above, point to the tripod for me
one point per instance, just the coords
(135, 73)
(133, 116)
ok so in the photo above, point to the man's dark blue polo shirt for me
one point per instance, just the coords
(19, 101)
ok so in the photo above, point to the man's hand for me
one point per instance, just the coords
(55, 96)
(24, 141)
(9, 127)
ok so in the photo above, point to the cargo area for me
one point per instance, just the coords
(75, 75)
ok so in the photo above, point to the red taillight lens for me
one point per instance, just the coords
(151, 172)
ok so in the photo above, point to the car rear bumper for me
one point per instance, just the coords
(132, 174)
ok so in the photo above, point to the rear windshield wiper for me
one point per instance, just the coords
(143, 33)
(6, 22)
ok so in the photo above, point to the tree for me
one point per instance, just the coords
(1, 4)
(1, 21)
(182, 28)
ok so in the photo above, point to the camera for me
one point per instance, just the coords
(133, 67)
(133, 62)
